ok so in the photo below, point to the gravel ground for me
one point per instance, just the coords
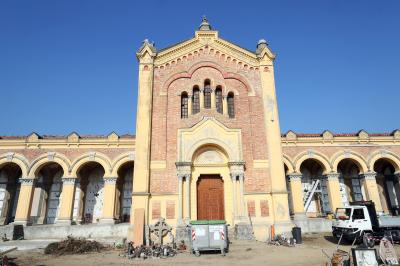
(241, 253)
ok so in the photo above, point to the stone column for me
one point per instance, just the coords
(335, 198)
(225, 106)
(234, 202)
(190, 104)
(371, 189)
(297, 194)
(201, 94)
(67, 199)
(110, 187)
(242, 202)
(187, 194)
(24, 201)
(180, 200)
(184, 171)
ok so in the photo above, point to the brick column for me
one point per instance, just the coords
(110, 188)
(333, 185)
(371, 189)
(67, 199)
(297, 194)
(24, 201)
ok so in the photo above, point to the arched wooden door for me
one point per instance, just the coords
(210, 198)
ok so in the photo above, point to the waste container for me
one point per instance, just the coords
(209, 235)
(296, 232)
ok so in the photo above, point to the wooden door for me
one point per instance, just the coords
(210, 198)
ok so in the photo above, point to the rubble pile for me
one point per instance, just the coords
(282, 240)
(73, 246)
(154, 251)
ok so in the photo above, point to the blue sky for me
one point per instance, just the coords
(70, 65)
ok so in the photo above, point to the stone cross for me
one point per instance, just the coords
(160, 229)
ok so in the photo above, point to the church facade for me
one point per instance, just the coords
(208, 146)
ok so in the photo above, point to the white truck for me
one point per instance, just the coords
(361, 218)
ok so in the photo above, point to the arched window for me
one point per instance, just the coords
(196, 100)
(218, 99)
(184, 105)
(207, 94)
(231, 105)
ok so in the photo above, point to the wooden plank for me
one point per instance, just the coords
(138, 227)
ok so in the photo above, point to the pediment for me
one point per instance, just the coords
(396, 134)
(209, 132)
(73, 137)
(290, 135)
(207, 40)
(362, 134)
(113, 136)
(327, 134)
(33, 137)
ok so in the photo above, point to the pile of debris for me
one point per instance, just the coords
(73, 246)
(155, 246)
(282, 240)
(155, 251)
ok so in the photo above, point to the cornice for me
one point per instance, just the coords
(339, 140)
(25, 143)
(203, 41)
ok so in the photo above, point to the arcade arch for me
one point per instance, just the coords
(10, 173)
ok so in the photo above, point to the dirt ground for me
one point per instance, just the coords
(240, 253)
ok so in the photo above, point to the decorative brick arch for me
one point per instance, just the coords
(358, 159)
(102, 159)
(188, 75)
(17, 159)
(43, 159)
(311, 154)
(393, 158)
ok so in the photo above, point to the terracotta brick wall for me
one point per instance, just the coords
(264, 208)
(156, 209)
(166, 115)
(251, 208)
(170, 209)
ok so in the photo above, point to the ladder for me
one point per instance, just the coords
(310, 194)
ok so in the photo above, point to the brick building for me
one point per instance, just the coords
(207, 146)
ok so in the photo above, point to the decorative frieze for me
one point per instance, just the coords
(183, 168)
(110, 180)
(69, 180)
(295, 177)
(332, 176)
(27, 181)
(369, 176)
